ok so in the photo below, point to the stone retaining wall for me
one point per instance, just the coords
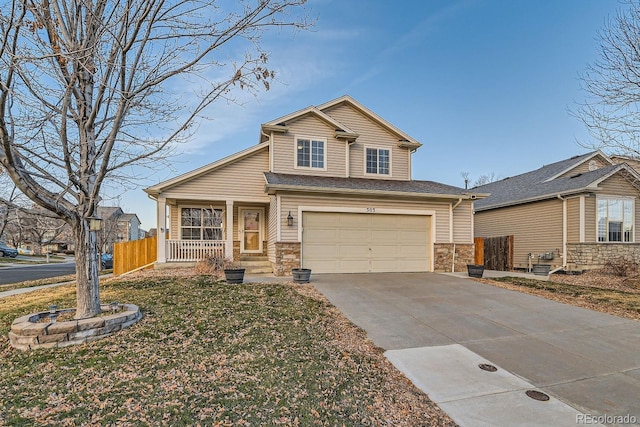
(28, 332)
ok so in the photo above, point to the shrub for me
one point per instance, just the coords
(210, 264)
(621, 266)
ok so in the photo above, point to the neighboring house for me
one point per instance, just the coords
(580, 212)
(327, 188)
(117, 226)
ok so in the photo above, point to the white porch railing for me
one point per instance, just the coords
(194, 250)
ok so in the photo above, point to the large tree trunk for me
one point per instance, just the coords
(87, 279)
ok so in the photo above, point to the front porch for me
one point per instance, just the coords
(191, 230)
(193, 250)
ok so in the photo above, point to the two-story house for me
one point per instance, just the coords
(327, 188)
(117, 226)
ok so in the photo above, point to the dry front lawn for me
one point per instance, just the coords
(211, 354)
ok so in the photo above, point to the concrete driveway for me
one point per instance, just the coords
(438, 328)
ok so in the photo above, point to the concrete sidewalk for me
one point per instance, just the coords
(438, 328)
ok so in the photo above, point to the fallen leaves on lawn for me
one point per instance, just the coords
(207, 353)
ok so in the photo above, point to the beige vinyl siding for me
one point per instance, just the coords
(536, 227)
(310, 126)
(272, 228)
(573, 220)
(590, 215)
(462, 223)
(617, 186)
(292, 202)
(584, 167)
(635, 164)
(174, 222)
(243, 178)
(371, 135)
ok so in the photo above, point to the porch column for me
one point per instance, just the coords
(228, 247)
(161, 231)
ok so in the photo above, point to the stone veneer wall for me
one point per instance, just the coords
(287, 258)
(443, 254)
(589, 256)
(237, 254)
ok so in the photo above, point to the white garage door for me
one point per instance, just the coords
(361, 243)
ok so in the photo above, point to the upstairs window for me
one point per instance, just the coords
(201, 224)
(615, 219)
(378, 161)
(310, 153)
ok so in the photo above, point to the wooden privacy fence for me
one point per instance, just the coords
(497, 252)
(128, 256)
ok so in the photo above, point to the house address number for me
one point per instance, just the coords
(371, 210)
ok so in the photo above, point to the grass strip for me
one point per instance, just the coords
(601, 299)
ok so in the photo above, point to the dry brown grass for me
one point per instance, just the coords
(208, 353)
(595, 290)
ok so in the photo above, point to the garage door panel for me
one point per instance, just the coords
(384, 251)
(412, 265)
(412, 251)
(384, 236)
(320, 236)
(352, 220)
(353, 251)
(353, 266)
(357, 243)
(351, 235)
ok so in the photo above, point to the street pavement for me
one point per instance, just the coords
(439, 328)
(16, 272)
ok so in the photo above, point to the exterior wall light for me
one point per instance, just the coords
(289, 220)
(95, 224)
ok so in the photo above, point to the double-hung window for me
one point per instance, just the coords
(378, 161)
(615, 219)
(310, 153)
(201, 224)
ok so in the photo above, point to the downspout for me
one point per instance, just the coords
(564, 234)
(270, 138)
(453, 258)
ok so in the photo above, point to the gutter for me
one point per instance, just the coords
(453, 256)
(564, 232)
(272, 188)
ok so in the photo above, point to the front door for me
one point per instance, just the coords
(251, 230)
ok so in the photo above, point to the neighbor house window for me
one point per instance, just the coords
(378, 161)
(615, 219)
(310, 153)
(201, 224)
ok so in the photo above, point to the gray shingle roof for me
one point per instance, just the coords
(363, 184)
(537, 184)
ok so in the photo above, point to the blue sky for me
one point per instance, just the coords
(485, 85)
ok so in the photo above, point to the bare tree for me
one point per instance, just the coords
(10, 199)
(90, 88)
(611, 111)
(485, 179)
(38, 228)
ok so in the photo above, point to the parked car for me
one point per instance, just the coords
(7, 251)
(107, 261)
(25, 251)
